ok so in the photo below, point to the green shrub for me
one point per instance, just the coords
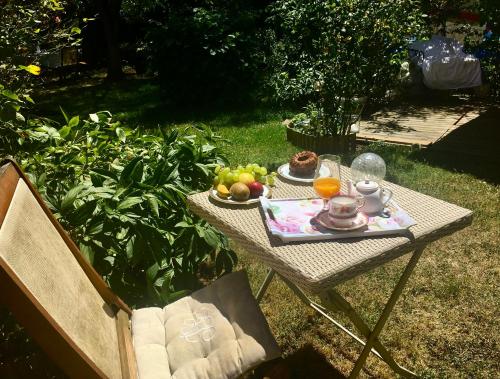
(329, 53)
(121, 195)
(204, 50)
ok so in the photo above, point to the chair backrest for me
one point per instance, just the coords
(54, 292)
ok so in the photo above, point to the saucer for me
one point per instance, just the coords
(327, 222)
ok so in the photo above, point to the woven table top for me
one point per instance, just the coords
(319, 265)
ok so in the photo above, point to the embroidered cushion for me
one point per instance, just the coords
(217, 332)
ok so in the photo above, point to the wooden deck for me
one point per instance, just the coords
(415, 125)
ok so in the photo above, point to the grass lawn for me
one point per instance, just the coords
(446, 322)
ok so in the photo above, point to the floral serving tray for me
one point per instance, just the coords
(290, 220)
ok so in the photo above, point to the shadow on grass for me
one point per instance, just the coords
(473, 148)
(306, 362)
(141, 102)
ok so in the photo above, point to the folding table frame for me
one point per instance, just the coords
(333, 301)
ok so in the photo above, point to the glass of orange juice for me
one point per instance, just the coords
(327, 177)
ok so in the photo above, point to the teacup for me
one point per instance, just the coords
(344, 207)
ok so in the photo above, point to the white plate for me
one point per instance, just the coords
(213, 195)
(284, 171)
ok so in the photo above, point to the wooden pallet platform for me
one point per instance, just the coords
(412, 125)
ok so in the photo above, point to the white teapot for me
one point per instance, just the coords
(376, 197)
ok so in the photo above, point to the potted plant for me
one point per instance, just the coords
(332, 56)
(316, 131)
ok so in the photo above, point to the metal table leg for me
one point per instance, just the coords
(265, 284)
(333, 301)
(386, 312)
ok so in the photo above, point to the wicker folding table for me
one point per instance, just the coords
(317, 267)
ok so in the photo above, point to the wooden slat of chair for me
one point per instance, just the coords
(36, 319)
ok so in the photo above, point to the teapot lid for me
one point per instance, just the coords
(367, 186)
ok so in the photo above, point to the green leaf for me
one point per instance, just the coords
(211, 238)
(9, 94)
(28, 98)
(87, 252)
(151, 274)
(153, 204)
(105, 173)
(64, 131)
(130, 247)
(129, 202)
(71, 196)
(126, 175)
(121, 134)
(174, 296)
(83, 213)
(203, 168)
(95, 228)
(94, 117)
(74, 121)
(20, 117)
(183, 224)
(64, 114)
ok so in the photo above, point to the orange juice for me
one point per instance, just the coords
(326, 188)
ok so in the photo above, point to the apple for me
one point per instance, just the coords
(256, 189)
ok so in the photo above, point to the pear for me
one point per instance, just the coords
(240, 191)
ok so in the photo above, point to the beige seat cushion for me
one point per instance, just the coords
(218, 332)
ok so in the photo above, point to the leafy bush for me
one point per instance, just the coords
(329, 53)
(121, 195)
(203, 48)
(27, 27)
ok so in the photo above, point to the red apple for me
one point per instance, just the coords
(256, 189)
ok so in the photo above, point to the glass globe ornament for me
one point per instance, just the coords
(368, 167)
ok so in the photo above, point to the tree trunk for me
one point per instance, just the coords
(110, 16)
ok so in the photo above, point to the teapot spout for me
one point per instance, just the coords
(385, 195)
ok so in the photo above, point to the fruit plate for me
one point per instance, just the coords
(213, 194)
(284, 171)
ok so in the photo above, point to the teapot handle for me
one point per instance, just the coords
(351, 188)
(386, 195)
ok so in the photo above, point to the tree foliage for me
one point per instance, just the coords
(203, 49)
(30, 28)
(329, 53)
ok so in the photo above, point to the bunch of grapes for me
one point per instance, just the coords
(228, 176)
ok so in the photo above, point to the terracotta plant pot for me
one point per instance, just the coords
(322, 145)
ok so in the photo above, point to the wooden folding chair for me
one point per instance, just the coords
(218, 332)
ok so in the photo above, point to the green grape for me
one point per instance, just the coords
(226, 170)
(216, 181)
(229, 178)
(263, 171)
(270, 180)
(222, 177)
(217, 169)
(255, 166)
(239, 168)
(262, 179)
(274, 173)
